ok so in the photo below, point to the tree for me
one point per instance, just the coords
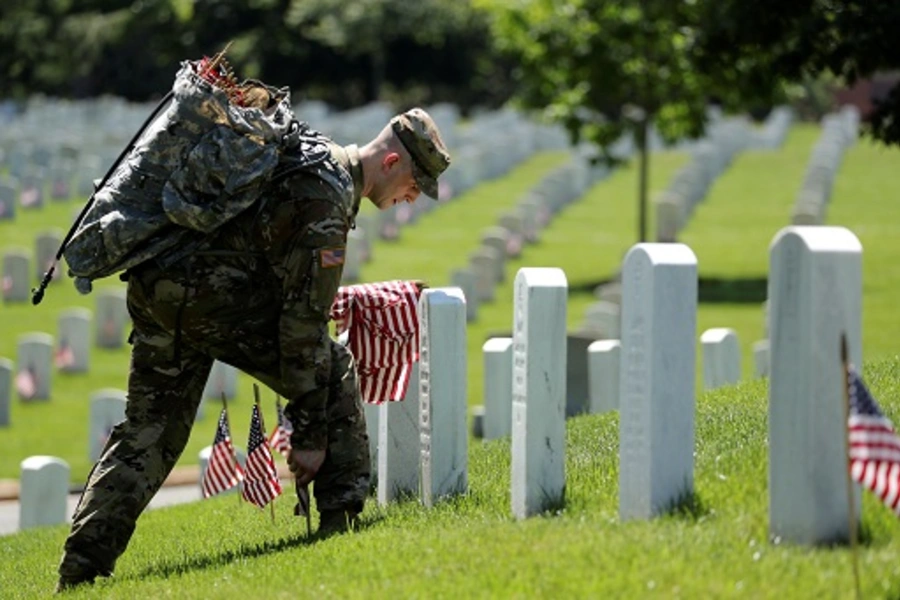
(605, 68)
(795, 40)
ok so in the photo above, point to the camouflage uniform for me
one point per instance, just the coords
(255, 295)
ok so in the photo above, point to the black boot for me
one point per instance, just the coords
(333, 522)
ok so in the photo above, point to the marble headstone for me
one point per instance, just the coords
(34, 363)
(74, 341)
(111, 318)
(603, 375)
(497, 387)
(16, 276)
(107, 410)
(538, 476)
(43, 490)
(721, 357)
(815, 297)
(398, 444)
(443, 409)
(656, 379)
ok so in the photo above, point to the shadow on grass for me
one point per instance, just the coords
(688, 506)
(167, 568)
(711, 290)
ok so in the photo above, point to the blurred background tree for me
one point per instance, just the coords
(345, 53)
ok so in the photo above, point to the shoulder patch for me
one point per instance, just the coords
(331, 257)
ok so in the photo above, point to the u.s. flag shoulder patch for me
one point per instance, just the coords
(331, 257)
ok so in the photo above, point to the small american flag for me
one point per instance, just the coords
(65, 357)
(331, 257)
(7, 284)
(281, 437)
(223, 472)
(383, 326)
(26, 383)
(874, 446)
(261, 484)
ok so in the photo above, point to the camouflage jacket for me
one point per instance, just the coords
(300, 230)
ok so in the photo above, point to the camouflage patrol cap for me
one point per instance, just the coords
(421, 138)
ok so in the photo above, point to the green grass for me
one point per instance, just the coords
(470, 546)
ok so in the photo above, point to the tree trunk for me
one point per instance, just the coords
(643, 175)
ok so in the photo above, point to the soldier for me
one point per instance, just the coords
(256, 295)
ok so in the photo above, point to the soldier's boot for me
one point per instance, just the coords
(333, 522)
(75, 571)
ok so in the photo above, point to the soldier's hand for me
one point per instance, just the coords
(304, 464)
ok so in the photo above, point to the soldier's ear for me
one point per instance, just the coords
(389, 160)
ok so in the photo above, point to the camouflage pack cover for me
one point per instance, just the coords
(198, 164)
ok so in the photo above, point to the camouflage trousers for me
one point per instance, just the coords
(169, 369)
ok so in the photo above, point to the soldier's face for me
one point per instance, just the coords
(399, 185)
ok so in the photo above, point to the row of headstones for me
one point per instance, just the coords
(690, 186)
(28, 191)
(721, 366)
(839, 131)
(774, 130)
(520, 227)
(815, 290)
(44, 481)
(815, 287)
(499, 141)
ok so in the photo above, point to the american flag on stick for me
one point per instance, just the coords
(261, 484)
(223, 471)
(280, 439)
(874, 445)
(65, 357)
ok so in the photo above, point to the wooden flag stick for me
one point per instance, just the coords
(854, 546)
(233, 451)
(262, 426)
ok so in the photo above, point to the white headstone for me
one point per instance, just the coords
(761, 357)
(372, 413)
(442, 394)
(16, 277)
(539, 391)
(603, 375)
(467, 280)
(43, 489)
(656, 379)
(111, 313)
(497, 387)
(604, 319)
(668, 218)
(721, 357)
(6, 376)
(398, 444)
(484, 264)
(354, 258)
(7, 201)
(498, 239)
(107, 411)
(74, 340)
(34, 363)
(815, 296)
(222, 380)
(45, 246)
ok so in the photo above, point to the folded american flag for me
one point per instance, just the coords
(382, 323)
(223, 472)
(261, 484)
(874, 446)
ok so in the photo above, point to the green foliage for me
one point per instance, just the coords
(789, 41)
(344, 53)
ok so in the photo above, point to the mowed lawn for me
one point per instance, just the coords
(471, 547)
